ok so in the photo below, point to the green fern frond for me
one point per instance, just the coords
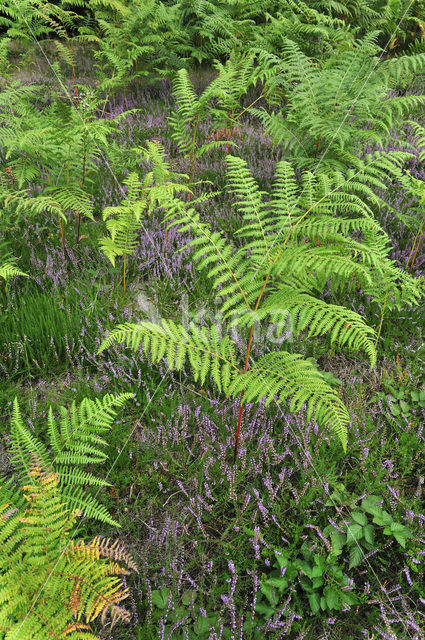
(8, 270)
(288, 377)
(75, 440)
(208, 353)
(316, 317)
(334, 107)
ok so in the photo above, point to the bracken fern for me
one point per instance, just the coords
(291, 246)
(51, 586)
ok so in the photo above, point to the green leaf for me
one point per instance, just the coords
(270, 592)
(314, 600)
(395, 410)
(160, 597)
(338, 540)
(397, 527)
(370, 505)
(281, 558)
(279, 583)
(359, 517)
(264, 609)
(305, 567)
(189, 596)
(400, 539)
(383, 518)
(348, 597)
(369, 533)
(317, 572)
(306, 584)
(356, 556)
(400, 533)
(203, 625)
(332, 598)
(317, 582)
(354, 532)
(404, 406)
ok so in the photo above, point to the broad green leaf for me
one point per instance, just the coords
(348, 597)
(356, 556)
(359, 517)
(314, 600)
(354, 532)
(189, 596)
(203, 625)
(270, 592)
(279, 583)
(160, 597)
(338, 540)
(383, 519)
(369, 533)
(370, 505)
(332, 598)
(264, 609)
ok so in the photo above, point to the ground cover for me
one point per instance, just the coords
(296, 537)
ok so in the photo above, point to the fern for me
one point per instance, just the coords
(336, 107)
(50, 585)
(75, 441)
(272, 275)
(8, 270)
(123, 222)
(55, 146)
(157, 189)
(216, 28)
(133, 41)
(315, 29)
(219, 100)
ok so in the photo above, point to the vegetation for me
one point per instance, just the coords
(212, 269)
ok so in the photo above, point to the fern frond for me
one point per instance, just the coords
(207, 352)
(51, 585)
(316, 317)
(74, 441)
(8, 270)
(287, 376)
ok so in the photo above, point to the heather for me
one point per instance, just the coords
(212, 390)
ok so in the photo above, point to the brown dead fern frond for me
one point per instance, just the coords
(117, 613)
(113, 551)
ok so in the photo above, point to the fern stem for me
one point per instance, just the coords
(317, 147)
(62, 232)
(382, 319)
(416, 252)
(125, 256)
(192, 159)
(166, 235)
(230, 134)
(262, 94)
(73, 73)
(248, 350)
(83, 181)
(241, 404)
